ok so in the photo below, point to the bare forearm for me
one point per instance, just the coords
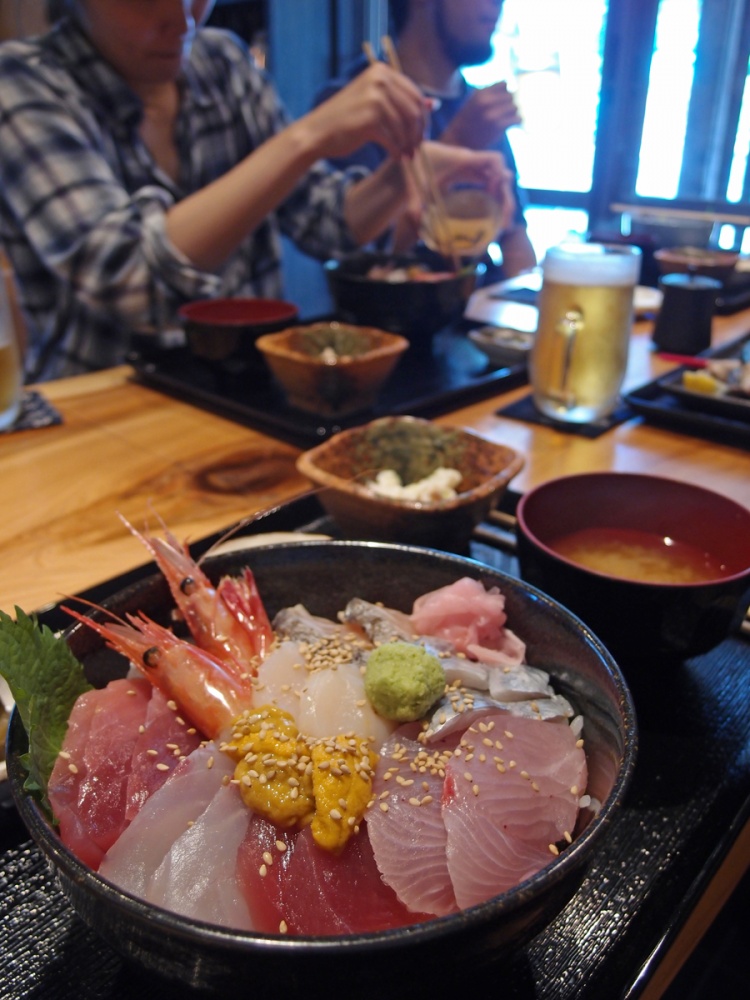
(209, 225)
(375, 202)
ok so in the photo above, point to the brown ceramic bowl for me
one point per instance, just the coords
(716, 264)
(331, 369)
(458, 951)
(345, 463)
(224, 331)
(641, 621)
(417, 309)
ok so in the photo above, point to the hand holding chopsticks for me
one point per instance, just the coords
(433, 160)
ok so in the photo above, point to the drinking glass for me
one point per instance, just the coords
(11, 367)
(580, 352)
(463, 222)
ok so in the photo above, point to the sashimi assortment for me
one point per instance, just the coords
(248, 777)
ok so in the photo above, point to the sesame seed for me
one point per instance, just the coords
(475, 789)
(335, 814)
(152, 753)
(263, 871)
(280, 846)
(282, 927)
(130, 691)
(384, 807)
(210, 763)
(73, 769)
(268, 857)
(65, 755)
(162, 767)
(172, 705)
(554, 849)
(415, 802)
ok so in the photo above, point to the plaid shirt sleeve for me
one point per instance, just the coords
(83, 206)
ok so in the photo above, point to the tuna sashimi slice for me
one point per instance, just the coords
(165, 739)
(510, 796)
(133, 860)
(303, 889)
(88, 787)
(406, 826)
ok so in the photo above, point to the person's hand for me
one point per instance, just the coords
(483, 118)
(379, 105)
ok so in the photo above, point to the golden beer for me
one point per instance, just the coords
(464, 224)
(10, 384)
(11, 372)
(580, 353)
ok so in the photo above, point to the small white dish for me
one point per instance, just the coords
(647, 301)
(502, 345)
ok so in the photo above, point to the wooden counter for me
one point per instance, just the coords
(128, 448)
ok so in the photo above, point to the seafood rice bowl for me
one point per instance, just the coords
(405, 777)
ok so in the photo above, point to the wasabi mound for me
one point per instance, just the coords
(403, 681)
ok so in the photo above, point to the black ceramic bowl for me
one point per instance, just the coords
(403, 962)
(417, 309)
(640, 622)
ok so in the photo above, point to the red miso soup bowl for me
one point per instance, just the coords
(224, 331)
(401, 963)
(658, 569)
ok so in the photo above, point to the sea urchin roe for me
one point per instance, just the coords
(403, 680)
(342, 786)
(292, 779)
(272, 766)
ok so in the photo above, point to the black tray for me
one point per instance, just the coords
(427, 381)
(719, 420)
(689, 799)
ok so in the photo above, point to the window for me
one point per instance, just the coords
(632, 109)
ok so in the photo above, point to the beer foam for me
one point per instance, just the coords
(591, 264)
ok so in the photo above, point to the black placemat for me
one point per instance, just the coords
(448, 372)
(36, 411)
(524, 409)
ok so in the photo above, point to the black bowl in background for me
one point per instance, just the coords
(407, 961)
(224, 331)
(640, 623)
(415, 309)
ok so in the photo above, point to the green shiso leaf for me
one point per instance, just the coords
(45, 680)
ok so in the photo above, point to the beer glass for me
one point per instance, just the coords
(11, 368)
(580, 352)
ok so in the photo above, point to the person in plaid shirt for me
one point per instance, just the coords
(146, 161)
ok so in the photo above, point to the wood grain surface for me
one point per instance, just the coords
(123, 447)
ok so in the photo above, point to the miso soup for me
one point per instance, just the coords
(638, 555)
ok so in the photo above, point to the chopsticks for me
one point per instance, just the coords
(429, 190)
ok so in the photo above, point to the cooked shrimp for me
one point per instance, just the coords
(226, 620)
(209, 691)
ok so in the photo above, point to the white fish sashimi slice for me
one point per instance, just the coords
(406, 829)
(185, 883)
(132, 860)
(281, 677)
(296, 622)
(519, 683)
(511, 793)
(378, 623)
(323, 700)
(334, 701)
(460, 709)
